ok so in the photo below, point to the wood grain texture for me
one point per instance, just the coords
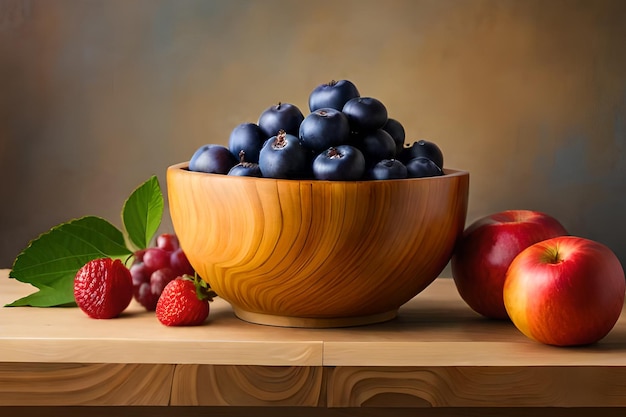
(260, 411)
(437, 353)
(477, 387)
(515, 352)
(314, 322)
(67, 335)
(317, 249)
(248, 385)
(84, 384)
(436, 328)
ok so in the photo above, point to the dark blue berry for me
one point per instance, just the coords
(247, 137)
(397, 132)
(214, 159)
(340, 163)
(324, 128)
(388, 169)
(365, 114)
(282, 156)
(423, 148)
(282, 116)
(332, 95)
(422, 167)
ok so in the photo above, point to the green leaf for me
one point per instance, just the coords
(50, 262)
(142, 213)
(62, 294)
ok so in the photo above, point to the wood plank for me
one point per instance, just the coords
(68, 335)
(199, 411)
(436, 353)
(219, 385)
(55, 384)
(154, 350)
(436, 328)
(477, 386)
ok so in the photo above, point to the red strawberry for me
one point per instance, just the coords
(103, 288)
(184, 302)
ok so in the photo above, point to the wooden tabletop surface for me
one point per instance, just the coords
(436, 328)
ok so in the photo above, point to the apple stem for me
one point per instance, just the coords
(552, 256)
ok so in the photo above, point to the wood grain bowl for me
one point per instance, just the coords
(307, 253)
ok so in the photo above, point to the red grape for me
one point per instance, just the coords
(146, 297)
(180, 263)
(160, 278)
(140, 273)
(139, 255)
(156, 258)
(168, 242)
(153, 268)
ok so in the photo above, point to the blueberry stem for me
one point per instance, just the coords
(333, 153)
(280, 141)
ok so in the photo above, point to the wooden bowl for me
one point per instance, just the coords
(308, 253)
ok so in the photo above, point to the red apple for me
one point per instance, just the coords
(486, 249)
(565, 291)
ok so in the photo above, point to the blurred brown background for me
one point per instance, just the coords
(97, 95)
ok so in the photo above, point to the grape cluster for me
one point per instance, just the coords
(154, 267)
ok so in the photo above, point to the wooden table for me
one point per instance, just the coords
(437, 358)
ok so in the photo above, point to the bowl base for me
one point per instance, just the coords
(313, 322)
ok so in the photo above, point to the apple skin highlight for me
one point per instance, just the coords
(565, 291)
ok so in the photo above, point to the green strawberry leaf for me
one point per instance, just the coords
(51, 261)
(142, 213)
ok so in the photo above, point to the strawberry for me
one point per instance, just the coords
(103, 288)
(184, 302)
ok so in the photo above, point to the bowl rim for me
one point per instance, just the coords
(448, 172)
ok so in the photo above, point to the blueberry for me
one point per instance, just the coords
(376, 146)
(215, 159)
(422, 167)
(365, 113)
(282, 116)
(332, 95)
(388, 169)
(245, 168)
(339, 163)
(282, 156)
(324, 128)
(247, 137)
(423, 148)
(397, 132)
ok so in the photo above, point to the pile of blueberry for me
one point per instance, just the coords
(345, 137)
